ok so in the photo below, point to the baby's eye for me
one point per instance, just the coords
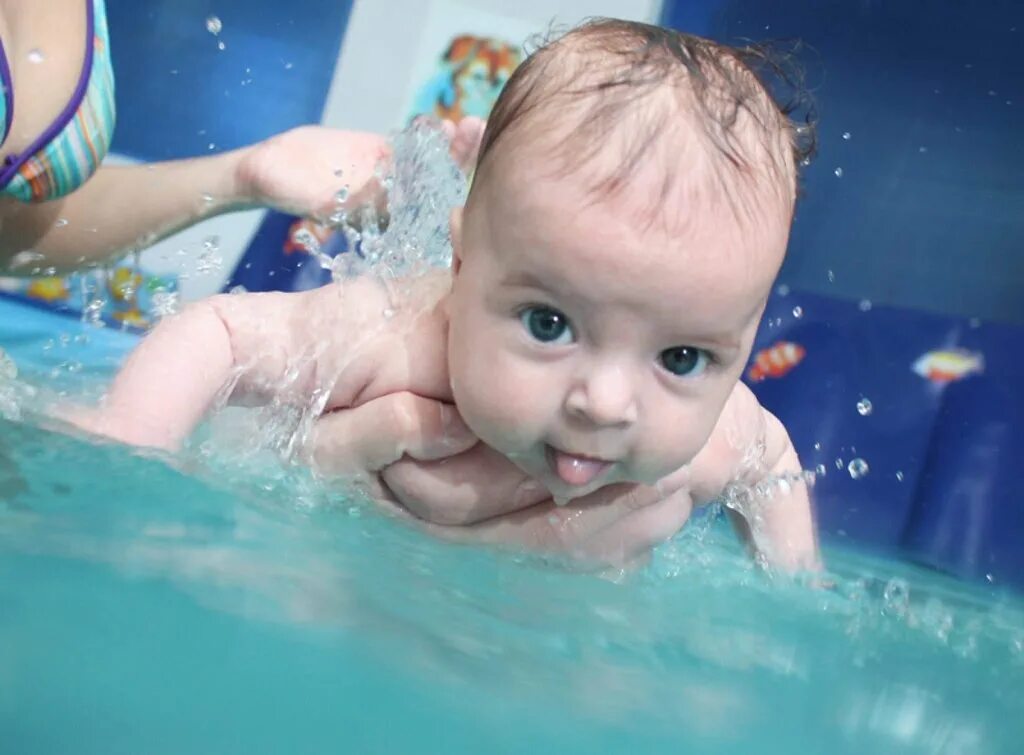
(547, 325)
(684, 361)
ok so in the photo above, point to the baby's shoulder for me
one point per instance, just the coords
(735, 447)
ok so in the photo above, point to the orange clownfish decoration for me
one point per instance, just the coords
(947, 365)
(776, 361)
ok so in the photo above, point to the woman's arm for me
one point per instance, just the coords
(123, 208)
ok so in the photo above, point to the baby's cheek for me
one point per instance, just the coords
(500, 404)
(674, 444)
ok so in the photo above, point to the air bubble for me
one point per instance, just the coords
(798, 312)
(864, 305)
(899, 475)
(820, 470)
(831, 276)
(213, 25)
(782, 290)
(847, 135)
(838, 172)
(864, 407)
(857, 468)
(221, 46)
(840, 463)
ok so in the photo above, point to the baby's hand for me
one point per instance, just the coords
(371, 436)
(462, 489)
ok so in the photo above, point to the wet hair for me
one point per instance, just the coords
(644, 84)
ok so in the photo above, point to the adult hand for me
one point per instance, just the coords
(314, 171)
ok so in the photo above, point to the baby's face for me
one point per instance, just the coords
(590, 348)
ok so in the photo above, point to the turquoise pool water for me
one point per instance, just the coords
(224, 608)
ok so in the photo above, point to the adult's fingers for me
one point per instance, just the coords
(373, 435)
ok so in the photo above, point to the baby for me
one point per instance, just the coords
(629, 212)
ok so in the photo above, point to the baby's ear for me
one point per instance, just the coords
(455, 226)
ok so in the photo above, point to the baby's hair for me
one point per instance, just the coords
(745, 100)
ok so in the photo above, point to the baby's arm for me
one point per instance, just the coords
(238, 346)
(751, 460)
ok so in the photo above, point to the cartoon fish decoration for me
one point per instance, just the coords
(948, 365)
(776, 360)
(49, 289)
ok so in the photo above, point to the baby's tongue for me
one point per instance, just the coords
(576, 470)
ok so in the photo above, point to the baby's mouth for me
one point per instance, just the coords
(573, 469)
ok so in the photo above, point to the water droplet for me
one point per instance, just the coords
(164, 302)
(990, 578)
(864, 305)
(798, 312)
(847, 135)
(35, 55)
(991, 92)
(387, 313)
(213, 25)
(857, 468)
(896, 596)
(24, 259)
(820, 470)
(221, 45)
(864, 407)
(838, 172)
(211, 146)
(839, 463)
(342, 195)
(207, 198)
(817, 446)
(831, 276)
(209, 260)
(288, 66)
(60, 222)
(899, 475)
(922, 149)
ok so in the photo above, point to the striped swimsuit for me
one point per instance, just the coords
(71, 148)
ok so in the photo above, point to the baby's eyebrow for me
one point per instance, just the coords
(525, 279)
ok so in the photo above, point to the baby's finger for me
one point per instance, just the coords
(379, 432)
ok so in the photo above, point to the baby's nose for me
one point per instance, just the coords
(603, 396)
